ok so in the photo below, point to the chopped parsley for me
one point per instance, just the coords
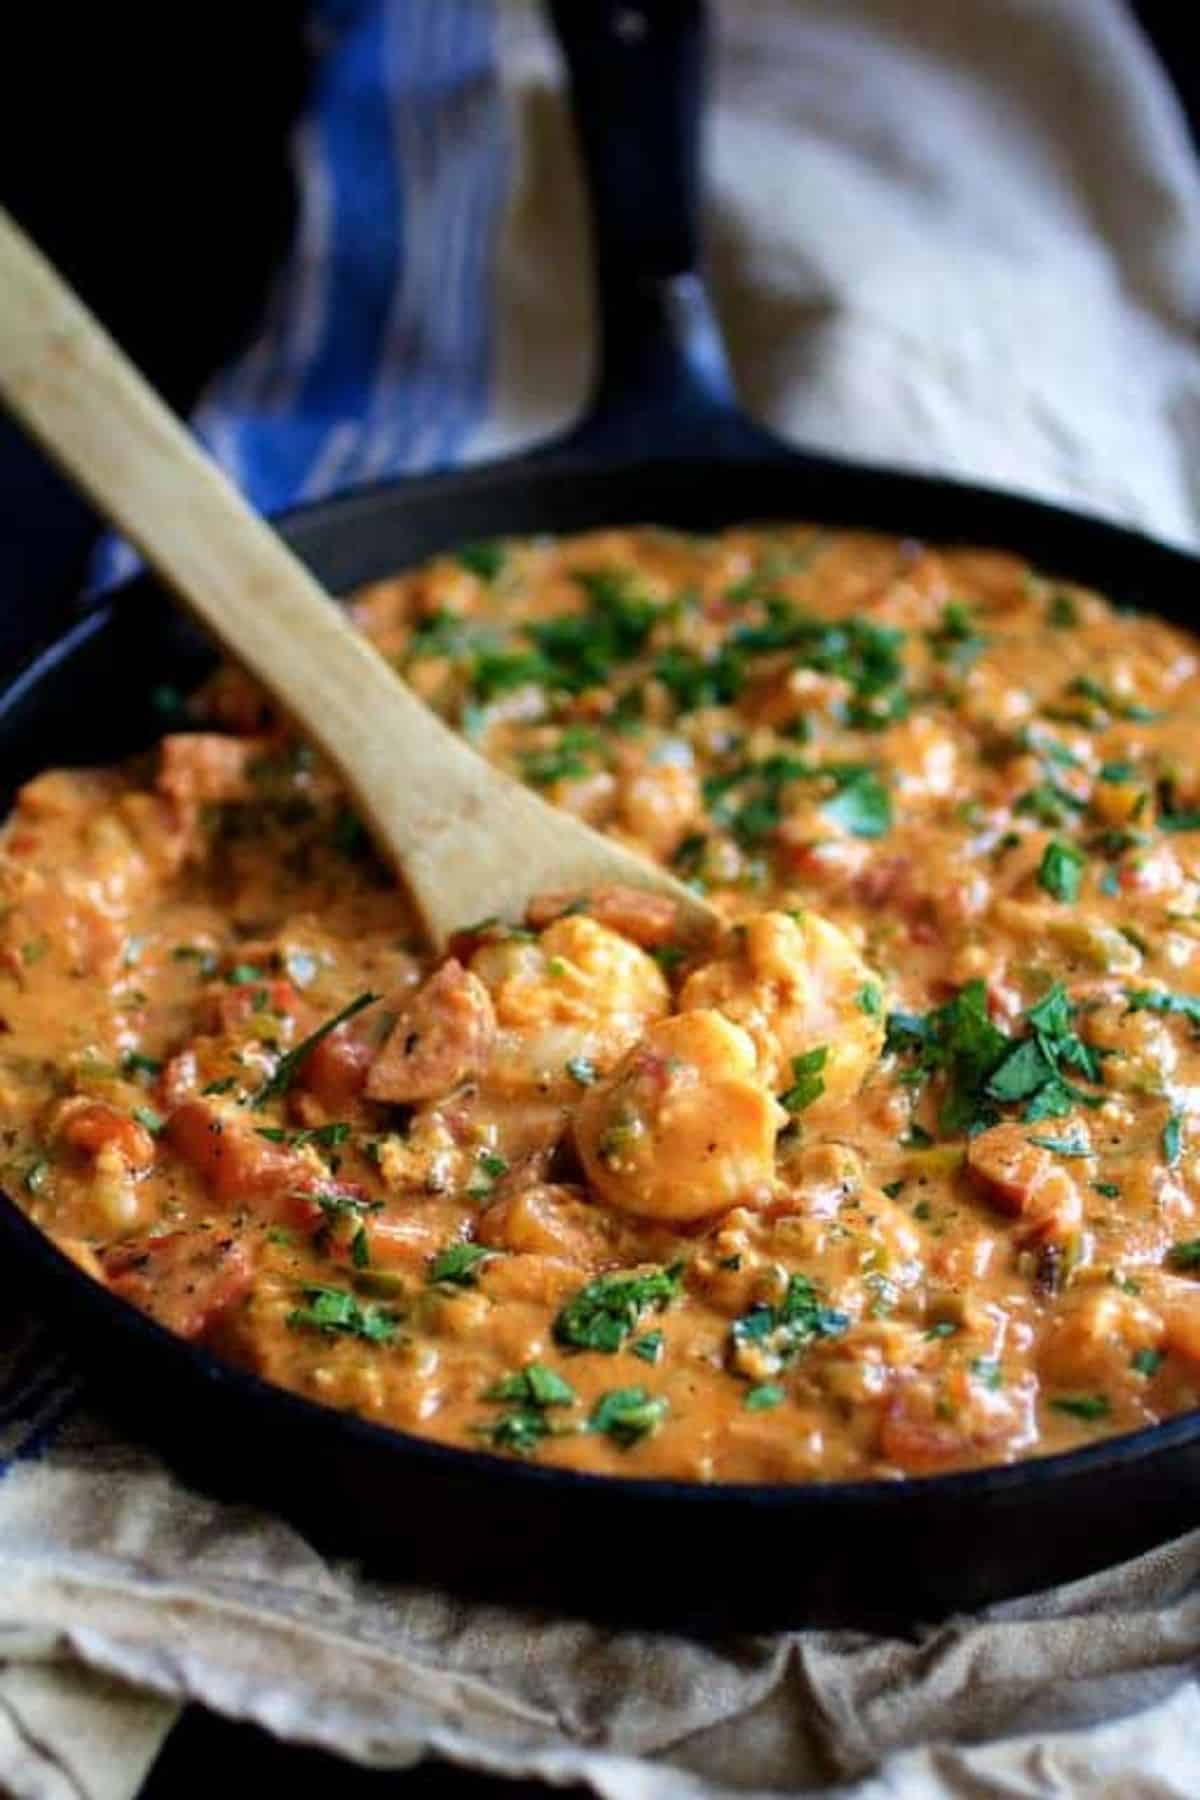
(694, 681)
(955, 639)
(459, 1265)
(988, 1370)
(36, 1175)
(325, 1137)
(244, 975)
(149, 1120)
(483, 559)
(808, 1080)
(1034, 1070)
(1063, 1146)
(1089, 1407)
(1185, 1256)
(289, 1065)
(748, 799)
(1172, 1137)
(865, 655)
(1098, 698)
(534, 1385)
(1146, 1362)
(495, 672)
(649, 1348)
(605, 1312)
(1050, 804)
(336, 1312)
(530, 1392)
(983, 1068)
(764, 1397)
(520, 1430)
(568, 758)
(1160, 1000)
(870, 999)
(1062, 611)
(863, 805)
(134, 1063)
(489, 1167)
(346, 1206)
(778, 1333)
(577, 651)
(627, 1414)
(581, 1069)
(1061, 870)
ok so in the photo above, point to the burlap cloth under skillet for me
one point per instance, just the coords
(961, 233)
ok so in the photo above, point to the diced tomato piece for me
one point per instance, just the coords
(186, 1280)
(439, 1041)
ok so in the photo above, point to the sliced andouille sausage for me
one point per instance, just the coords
(240, 1167)
(186, 1280)
(440, 1039)
(650, 920)
(1025, 1181)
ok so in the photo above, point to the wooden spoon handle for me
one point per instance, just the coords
(467, 840)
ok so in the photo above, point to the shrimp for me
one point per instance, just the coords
(575, 998)
(683, 1128)
(795, 985)
(1092, 1341)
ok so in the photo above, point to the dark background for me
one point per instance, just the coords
(148, 156)
(171, 229)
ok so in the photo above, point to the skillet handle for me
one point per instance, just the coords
(637, 81)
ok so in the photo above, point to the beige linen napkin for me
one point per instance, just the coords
(959, 234)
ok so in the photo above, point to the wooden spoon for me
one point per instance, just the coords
(467, 840)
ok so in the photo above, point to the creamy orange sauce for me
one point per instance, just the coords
(899, 1177)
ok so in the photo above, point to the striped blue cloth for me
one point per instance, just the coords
(373, 357)
(374, 354)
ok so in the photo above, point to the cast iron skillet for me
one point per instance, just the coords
(663, 442)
